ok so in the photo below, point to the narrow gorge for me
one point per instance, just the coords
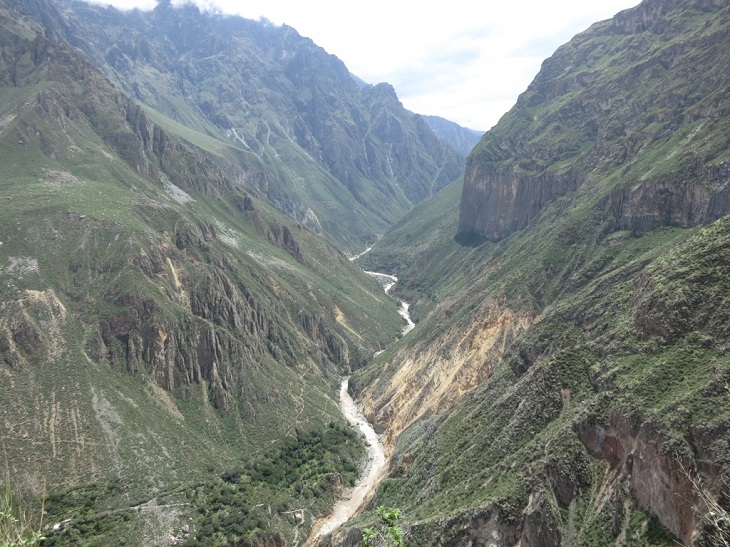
(349, 503)
(183, 334)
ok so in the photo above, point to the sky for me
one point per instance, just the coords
(463, 60)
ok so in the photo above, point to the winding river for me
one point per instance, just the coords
(388, 281)
(346, 507)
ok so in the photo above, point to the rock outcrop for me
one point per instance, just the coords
(658, 482)
(432, 377)
(159, 321)
(691, 198)
(630, 111)
(497, 202)
(599, 423)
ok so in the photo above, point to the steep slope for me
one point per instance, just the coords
(342, 160)
(633, 110)
(567, 379)
(159, 324)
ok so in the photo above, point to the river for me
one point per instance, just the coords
(346, 507)
(388, 281)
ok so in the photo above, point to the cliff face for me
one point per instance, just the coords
(432, 376)
(634, 109)
(593, 419)
(498, 201)
(699, 195)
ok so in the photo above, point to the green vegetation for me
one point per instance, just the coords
(343, 161)
(408, 249)
(612, 346)
(273, 493)
(388, 532)
(20, 525)
(172, 342)
(160, 323)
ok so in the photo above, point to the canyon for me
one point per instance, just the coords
(186, 202)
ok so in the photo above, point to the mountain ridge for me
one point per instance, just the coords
(275, 95)
(462, 139)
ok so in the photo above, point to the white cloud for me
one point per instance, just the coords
(464, 61)
(126, 4)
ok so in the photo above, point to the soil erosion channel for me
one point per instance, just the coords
(345, 508)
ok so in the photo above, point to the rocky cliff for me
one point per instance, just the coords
(634, 109)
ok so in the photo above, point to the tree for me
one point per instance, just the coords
(388, 533)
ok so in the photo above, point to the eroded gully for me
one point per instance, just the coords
(346, 507)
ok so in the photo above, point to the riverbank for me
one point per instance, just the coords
(345, 508)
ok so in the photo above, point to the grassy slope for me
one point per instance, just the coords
(587, 345)
(631, 329)
(86, 241)
(649, 103)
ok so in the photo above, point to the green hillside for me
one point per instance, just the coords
(567, 382)
(161, 326)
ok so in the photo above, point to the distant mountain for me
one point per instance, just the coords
(360, 82)
(460, 138)
(286, 118)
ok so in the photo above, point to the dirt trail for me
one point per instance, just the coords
(345, 508)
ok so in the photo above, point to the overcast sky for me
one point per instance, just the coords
(464, 60)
